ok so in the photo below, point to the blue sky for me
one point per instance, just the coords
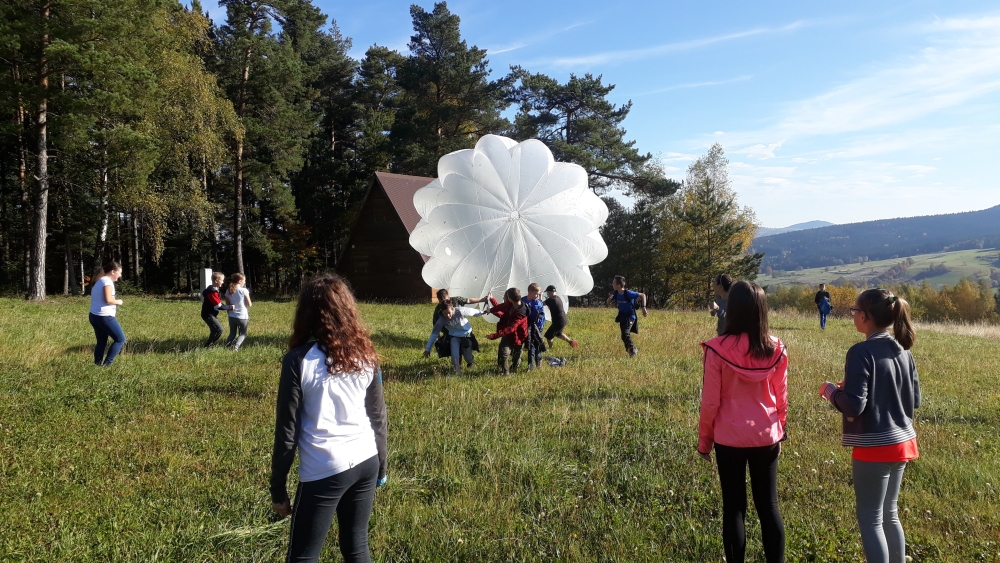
(838, 111)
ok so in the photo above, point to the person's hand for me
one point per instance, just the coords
(713, 306)
(707, 457)
(645, 313)
(427, 353)
(120, 302)
(282, 508)
(381, 481)
(826, 390)
(840, 384)
(492, 336)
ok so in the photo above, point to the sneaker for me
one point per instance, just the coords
(633, 352)
(574, 344)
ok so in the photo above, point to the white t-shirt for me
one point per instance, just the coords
(238, 301)
(336, 433)
(98, 305)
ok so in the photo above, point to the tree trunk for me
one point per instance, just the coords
(71, 271)
(36, 279)
(134, 251)
(100, 246)
(238, 183)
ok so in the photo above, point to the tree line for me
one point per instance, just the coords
(141, 130)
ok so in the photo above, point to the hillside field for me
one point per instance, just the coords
(960, 264)
(165, 456)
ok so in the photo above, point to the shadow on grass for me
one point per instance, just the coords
(234, 389)
(393, 340)
(175, 345)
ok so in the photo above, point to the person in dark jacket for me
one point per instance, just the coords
(877, 397)
(720, 287)
(823, 303)
(559, 319)
(512, 330)
(211, 304)
(331, 408)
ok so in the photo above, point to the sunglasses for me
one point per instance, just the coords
(854, 310)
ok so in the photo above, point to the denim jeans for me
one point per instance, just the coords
(104, 328)
(350, 495)
(457, 353)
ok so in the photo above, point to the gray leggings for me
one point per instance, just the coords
(237, 327)
(876, 488)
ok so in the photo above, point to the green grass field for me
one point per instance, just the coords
(961, 263)
(165, 456)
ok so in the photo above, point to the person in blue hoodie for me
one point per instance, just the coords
(823, 304)
(536, 325)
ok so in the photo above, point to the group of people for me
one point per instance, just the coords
(521, 322)
(237, 304)
(744, 408)
(104, 305)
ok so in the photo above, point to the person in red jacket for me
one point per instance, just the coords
(512, 330)
(744, 402)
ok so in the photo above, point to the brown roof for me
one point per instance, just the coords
(400, 189)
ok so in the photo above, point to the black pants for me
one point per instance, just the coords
(350, 495)
(763, 462)
(628, 326)
(215, 328)
(509, 351)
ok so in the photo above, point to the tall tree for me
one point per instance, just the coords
(580, 125)
(705, 232)
(449, 101)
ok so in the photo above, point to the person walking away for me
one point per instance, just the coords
(877, 397)
(559, 318)
(238, 299)
(211, 303)
(331, 408)
(720, 287)
(744, 405)
(103, 313)
(512, 330)
(462, 343)
(536, 324)
(823, 304)
(627, 320)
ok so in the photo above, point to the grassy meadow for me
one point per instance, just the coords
(165, 456)
(959, 264)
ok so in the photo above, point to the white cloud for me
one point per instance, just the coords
(759, 151)
(698, 85)
(629, 55)
(919, 168)
(538, 38)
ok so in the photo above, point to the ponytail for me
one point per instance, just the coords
(888, 310)
(902, 328)
(234, 282)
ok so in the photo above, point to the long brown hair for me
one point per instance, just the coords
(106, 267)
(887, 310)
(747, 314)
(234, 282)
(328, 313)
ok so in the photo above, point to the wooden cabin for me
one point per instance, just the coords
(378, 260)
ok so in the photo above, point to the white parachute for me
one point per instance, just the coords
(505, 214)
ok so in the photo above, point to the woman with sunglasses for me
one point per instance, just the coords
(877, 397)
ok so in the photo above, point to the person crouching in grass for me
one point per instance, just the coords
(744, 404)
(512, 330)
(332, 409)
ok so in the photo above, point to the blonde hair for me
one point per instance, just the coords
(535, 287)
(218, 276)
(234, 282)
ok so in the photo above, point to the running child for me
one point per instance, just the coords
(536, 323)
(627, 319)
(443, 295)
(211, 303)
(559, 320)
(512, 330)
(238, 298)
(462, 343)
(877, 398)
(103, 311)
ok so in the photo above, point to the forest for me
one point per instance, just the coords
(880, 240)
(142, 131)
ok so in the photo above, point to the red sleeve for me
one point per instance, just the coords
(711, 398)
(213, 298)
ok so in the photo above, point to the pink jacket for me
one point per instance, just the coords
(744, 400)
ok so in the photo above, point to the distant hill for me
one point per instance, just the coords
(880, 240)
(768, 231)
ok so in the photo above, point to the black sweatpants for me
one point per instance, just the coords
(628, 325)
(350, 495)
(215, 328)
(763, 463)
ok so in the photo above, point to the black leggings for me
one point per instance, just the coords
(214, 327)
(763, 462)
(351, 495)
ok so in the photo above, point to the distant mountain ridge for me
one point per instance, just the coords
(880, 240)
(768, 231)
